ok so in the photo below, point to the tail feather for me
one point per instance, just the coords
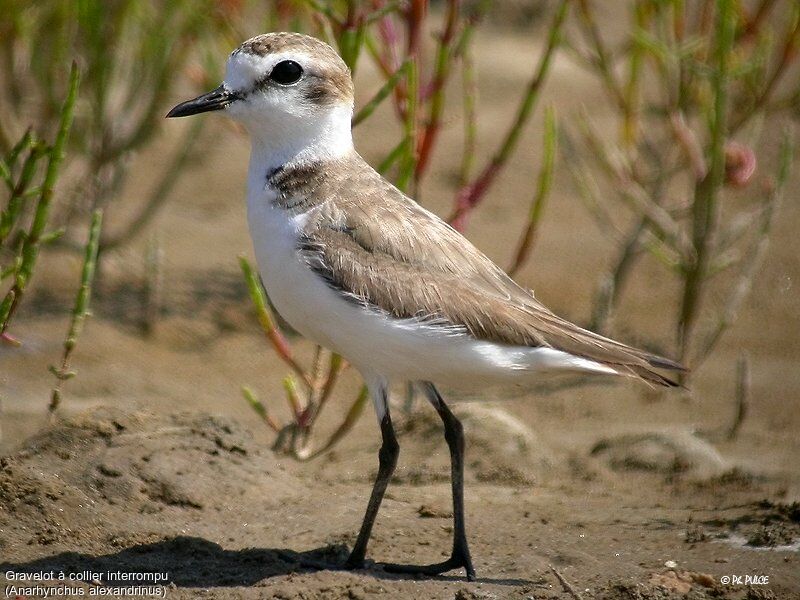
(659, 362)
(655, 377)
(647, 372)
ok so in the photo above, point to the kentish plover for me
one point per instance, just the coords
(355, 265)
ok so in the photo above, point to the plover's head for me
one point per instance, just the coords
(291, 91)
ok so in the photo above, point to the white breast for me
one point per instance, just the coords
(292, 287)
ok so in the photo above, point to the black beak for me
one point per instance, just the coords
(214, 100)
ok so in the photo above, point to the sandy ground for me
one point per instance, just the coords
(159, 465)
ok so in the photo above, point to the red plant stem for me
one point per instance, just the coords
(390, 61)
(705, 18)
(330, 383)
(436, 88)
(284, 351)
(352, 15)
(415, 17)
(386, 60)
(282, 348)
(272, 423)
(313, 409)
(9, 339)
(679, 23)
(390, 38)
(469, 196)
(753, 24)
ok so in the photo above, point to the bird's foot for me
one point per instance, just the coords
(354, 563)
(454, 562)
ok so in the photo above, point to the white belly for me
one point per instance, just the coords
(376, 344)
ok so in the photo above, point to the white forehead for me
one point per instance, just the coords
(245, 68)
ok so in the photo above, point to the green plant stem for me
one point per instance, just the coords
(408, 158)
(30, 246)
(705, 210)
(603, 61)
(292, 397)
(754, 259)
(268, 324)
(350, 419)
(469, 95)
(394, 155)
(544, 184)
(80, 309)
(9, 217)
(260, 409)
(381, 95)
(631, 93)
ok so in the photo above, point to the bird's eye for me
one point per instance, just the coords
(286, 72)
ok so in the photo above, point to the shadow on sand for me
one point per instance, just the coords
(195, 562)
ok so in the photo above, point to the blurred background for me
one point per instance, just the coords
(631, 162)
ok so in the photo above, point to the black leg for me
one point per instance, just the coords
(454, 435)
(387, 460)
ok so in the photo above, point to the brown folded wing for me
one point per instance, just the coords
(401, 259)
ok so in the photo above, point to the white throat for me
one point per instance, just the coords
(277, 141)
